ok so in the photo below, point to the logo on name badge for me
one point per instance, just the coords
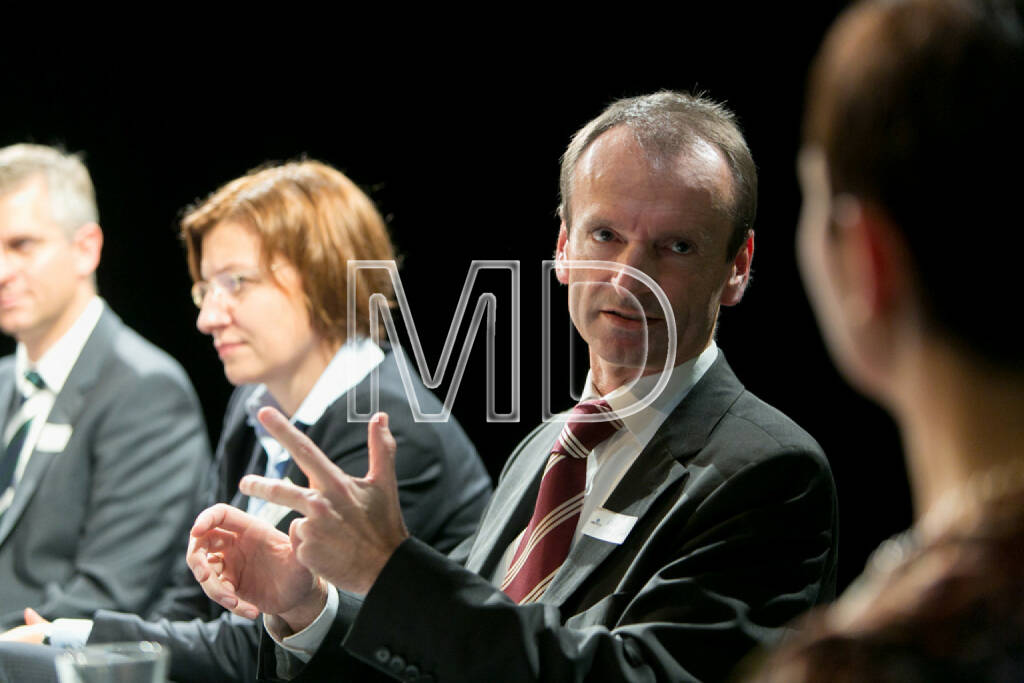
(609, 526)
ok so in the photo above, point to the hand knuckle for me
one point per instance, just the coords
(318, 504)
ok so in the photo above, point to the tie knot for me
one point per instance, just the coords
(590, 423)
(34, 379)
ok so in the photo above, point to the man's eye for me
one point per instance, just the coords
(603, 235)
(681, 247)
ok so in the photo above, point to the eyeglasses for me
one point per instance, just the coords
(229, 283)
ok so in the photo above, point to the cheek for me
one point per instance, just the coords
(816, 270)
(577, 296)
(812, 260)
(294, 329)
(810, 244)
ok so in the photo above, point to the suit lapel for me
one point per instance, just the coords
(238, 448)
(661, 464)
(7, 389)
(65, 411)
(513, 500)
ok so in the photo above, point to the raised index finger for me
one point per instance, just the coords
(310, 459)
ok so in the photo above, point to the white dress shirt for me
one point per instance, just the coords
(54, 367)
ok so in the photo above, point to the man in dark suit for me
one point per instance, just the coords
(104, 447)
(685, 532)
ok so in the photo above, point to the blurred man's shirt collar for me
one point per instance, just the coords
(55, 365)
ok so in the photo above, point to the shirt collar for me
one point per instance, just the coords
(55, 365)
(644, 423)
(350, 364)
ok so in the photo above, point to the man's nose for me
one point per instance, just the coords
(636, 256)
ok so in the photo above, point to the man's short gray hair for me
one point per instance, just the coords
(68, 185)
(666, 124)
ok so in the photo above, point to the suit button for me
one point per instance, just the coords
(411, 673)
(396, 664)
(382, 655)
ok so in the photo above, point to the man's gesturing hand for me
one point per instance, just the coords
(351, 526)
(248, 566)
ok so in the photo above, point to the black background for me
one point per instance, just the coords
(456, 134)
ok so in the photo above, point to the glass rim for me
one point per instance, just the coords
(128, 652)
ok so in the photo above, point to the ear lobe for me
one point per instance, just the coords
(739, 273)
(561, 272)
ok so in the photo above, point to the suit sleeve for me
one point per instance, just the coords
(223, 649)
(709, 584)
(149, 454)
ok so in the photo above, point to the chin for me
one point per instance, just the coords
(623, 357)
(10, 325)
(237, 376)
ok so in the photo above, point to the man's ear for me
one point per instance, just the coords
(561, 272)
(88, 243)
(739, 273)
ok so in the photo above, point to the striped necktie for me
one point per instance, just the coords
(23, 419)
(544, 545)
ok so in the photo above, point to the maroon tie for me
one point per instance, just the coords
(544, 545)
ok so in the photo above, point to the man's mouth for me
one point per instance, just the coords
(637, 316)
(629, 318)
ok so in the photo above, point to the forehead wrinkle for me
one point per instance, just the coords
(696, 185)
(618, 167)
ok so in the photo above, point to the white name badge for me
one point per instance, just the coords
(53, 438)
(609, 526)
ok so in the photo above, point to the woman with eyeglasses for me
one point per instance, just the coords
(268, 255)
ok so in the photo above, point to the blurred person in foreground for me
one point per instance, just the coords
(656, 545)
(912, 135)
(268, 254)
(104, 445)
